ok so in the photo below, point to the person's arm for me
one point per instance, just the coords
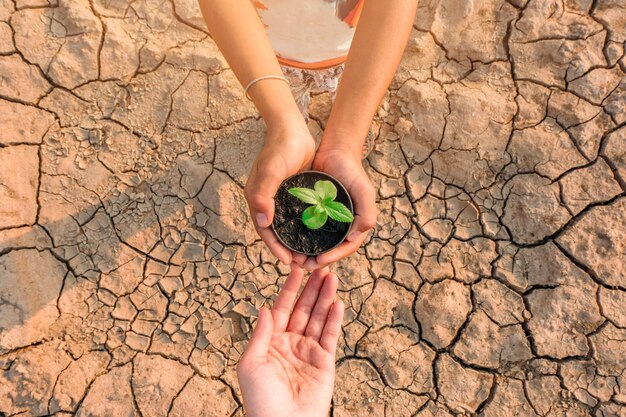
(239, 33)
(377, 47)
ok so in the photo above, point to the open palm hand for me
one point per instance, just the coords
(288, 368)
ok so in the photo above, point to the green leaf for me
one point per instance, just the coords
(339, 212)
(312, 219)
(326, 189)
(305, 194)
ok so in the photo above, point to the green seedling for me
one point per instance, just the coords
(323, 205)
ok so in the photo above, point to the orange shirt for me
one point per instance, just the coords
(310, 34)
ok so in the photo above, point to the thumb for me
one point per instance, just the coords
(261, 336)
(365, 210)
(260, 191)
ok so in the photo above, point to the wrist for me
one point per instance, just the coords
(275, 102)
(288, 128)
(285, 122)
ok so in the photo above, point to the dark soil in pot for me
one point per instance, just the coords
(288, 224)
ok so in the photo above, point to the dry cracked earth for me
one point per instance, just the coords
(494, 283)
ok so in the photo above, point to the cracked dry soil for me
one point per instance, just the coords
(494, 283)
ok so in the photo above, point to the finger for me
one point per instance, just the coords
(365, 210)
(259, 192)
(304, 306)
(261, 337)
(322, 307)
(332, 328)
(311, 264)
(341, 251)
(285, 300)
(299, 258)
(273, 244)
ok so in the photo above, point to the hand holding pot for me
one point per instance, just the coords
(288, 368)
(347, 167)
(288, 149)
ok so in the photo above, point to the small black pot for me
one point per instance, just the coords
(288, 226)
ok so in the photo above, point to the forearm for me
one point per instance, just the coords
(239, 33)
(374, 56)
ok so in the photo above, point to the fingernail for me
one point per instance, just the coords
(285, 259)
(353, 236)
(310, 265)
(261, 220)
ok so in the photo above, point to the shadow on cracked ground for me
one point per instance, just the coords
(493, 285)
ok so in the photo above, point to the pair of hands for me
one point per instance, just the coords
(288, 368)
(289, 149)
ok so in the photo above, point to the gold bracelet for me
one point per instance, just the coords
(266, 77)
